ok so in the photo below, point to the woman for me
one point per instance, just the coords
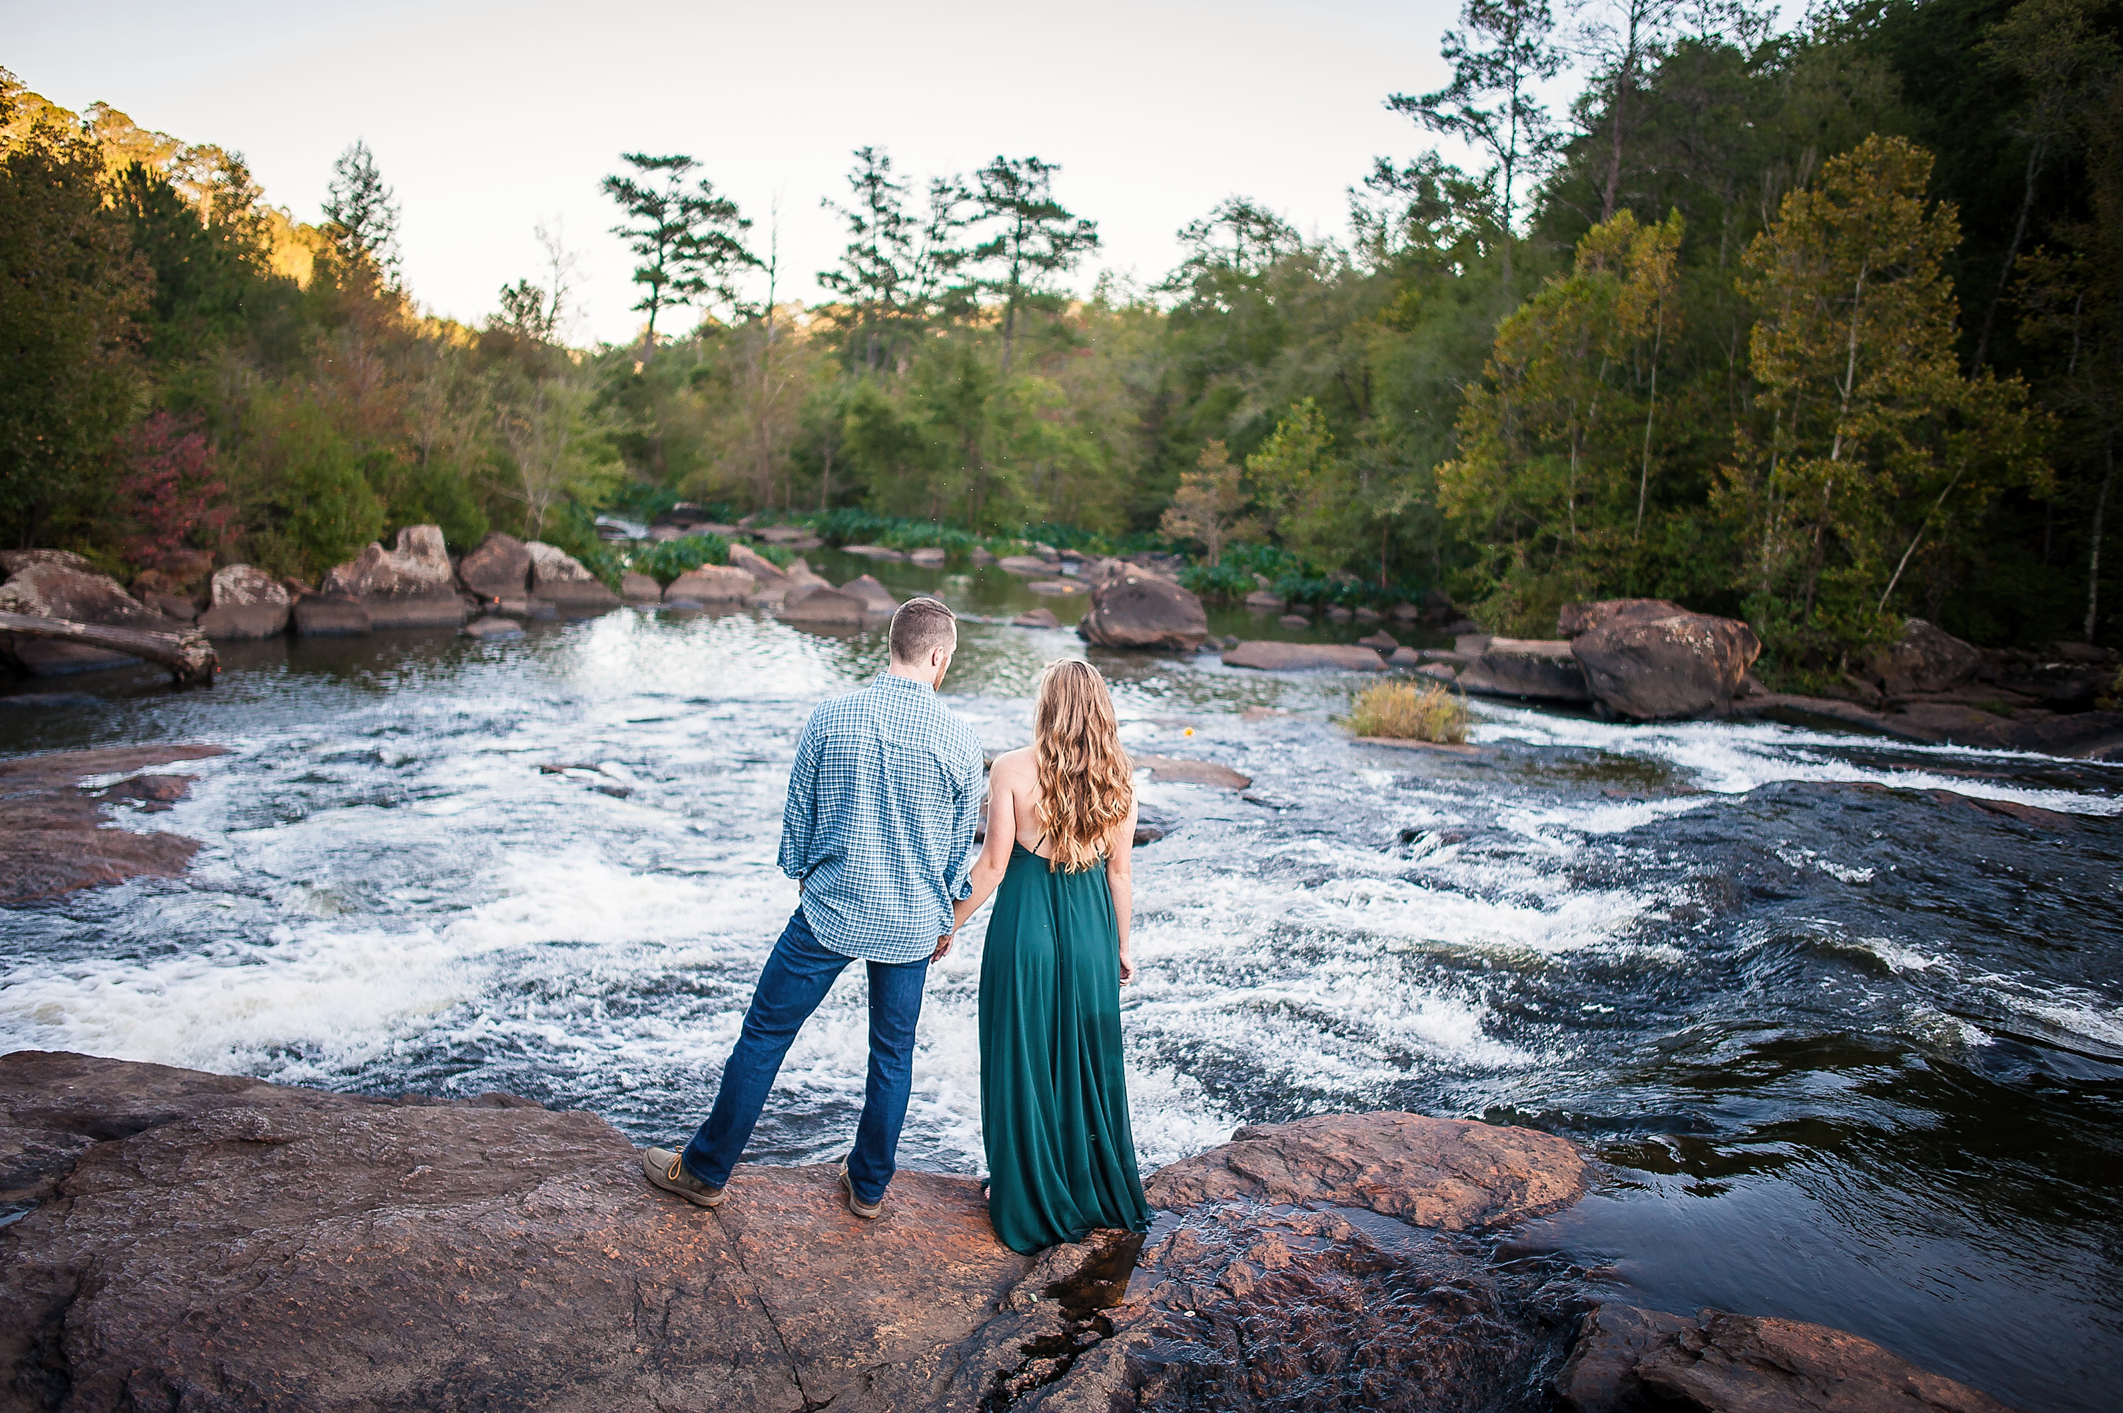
(1053, 1099)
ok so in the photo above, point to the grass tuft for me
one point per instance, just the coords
(1405, 712)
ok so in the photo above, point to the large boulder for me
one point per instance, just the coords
(711, 583)
(1578, 619)
(561, 580)
(245, 602)
(752, 562)
(1134, 608)
(876, 598)
(1628, 1359)
(59, 584)
(1301, 657)
(1679, 664)
(499, 569)
(411, 586)
(1027, 565)
(1924, 659)
(330, 616)
(639, 588)
(1527, 667)
(822, 604)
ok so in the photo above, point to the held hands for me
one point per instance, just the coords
(943, 945)
(1127, 967)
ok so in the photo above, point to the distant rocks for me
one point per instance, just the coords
(874, 597)
(1628, 1359)
(928, 557)
(561, 580)
(410, 586)
(492, 626)
(876, 552)
(1527, 667)
(1267, 656)
(1037, 618)
(331, 616)
(711, 584)
(1650, 660)
(1183, 771)
(500, 568)
(1266, 601)
(1132, 607)
(821, 604)
(1025, 565)
(639, 588)
(244, 602)
(62, 585)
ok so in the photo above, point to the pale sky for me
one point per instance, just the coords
(489, 117)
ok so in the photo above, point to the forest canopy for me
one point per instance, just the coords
(1822, 328)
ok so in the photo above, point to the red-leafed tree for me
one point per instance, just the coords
(171, 492)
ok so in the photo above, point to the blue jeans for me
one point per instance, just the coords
(796, 978)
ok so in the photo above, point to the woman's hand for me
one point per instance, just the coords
(1127, 967)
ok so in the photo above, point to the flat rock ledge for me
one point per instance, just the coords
(184, 1240)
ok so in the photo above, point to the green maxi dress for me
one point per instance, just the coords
(1053, 1098)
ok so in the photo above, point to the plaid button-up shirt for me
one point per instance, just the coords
(883, 801)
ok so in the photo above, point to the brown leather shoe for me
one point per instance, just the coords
(668, 1171)
(868, 1211)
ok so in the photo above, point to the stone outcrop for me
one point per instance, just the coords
(411, 586)
(1135, 608)
(1268, 656)
(58, 584)
(1184, 771)
(819, 604)
(196, 1240)
(639, 588)
(244, 602)
(876, 598)
(559, 579)
(1577, 619)
(1653, 661)
(711, 583)
(1924, 659)
(1025, 565)
(752, 562)
(1629, 1359)
(1036, 618)
(331, 616)
(500, 568)
(1452, 1174)
(54, 838)
(1527, 667)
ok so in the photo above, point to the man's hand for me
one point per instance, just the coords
(943, 945)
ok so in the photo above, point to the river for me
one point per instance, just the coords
(1842, 1017)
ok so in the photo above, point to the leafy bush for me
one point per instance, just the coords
(667, 559)
(1404, 711)
(571, 528)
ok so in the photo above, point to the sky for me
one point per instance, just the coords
(488, 118)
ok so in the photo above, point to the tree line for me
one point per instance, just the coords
(1823, 328)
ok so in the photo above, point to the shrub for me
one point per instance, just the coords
(1404, 711)
(667, 559)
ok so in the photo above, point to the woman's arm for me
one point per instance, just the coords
(1120, 881)
(994, 857)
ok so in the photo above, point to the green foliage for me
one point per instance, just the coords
(667, 559)
(573, 528)
(311, 503)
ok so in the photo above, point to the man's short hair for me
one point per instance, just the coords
(919, 626)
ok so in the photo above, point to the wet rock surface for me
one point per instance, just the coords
(1628, 1360)
(1268, 656)
(1527, 667)
(196, 1240)
(54, 836)
(1132, 607)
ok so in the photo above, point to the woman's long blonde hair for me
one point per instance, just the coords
(1086, 783)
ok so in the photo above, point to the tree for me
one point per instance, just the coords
(1501, 51)
(1039, 237)
(539, 310)
(1210, 505)
(552, 440)
(1563, 416)
(171, 492)
(1307, 489)
(894, 263)
(1877, 446)
(360, 216)
(71, 288)
(690, 241)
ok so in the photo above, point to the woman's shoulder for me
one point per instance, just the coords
(1018, 762)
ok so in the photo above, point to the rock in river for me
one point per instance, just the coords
(815, 603)
(711, 583)
(500, 568)
(639, 588)
(330, 616)
(1036, 618)
(412, 586)
(246, 603)
(53, 837)
(1629, 1359)
(876, 598)
(1658, 664)
(1134, 608)
(60, 584)
(1527, 667)
(561, 580)
(1298, 657)
(1924, 659)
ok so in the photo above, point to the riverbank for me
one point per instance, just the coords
(185, 1237)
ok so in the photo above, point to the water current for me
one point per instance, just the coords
(1842, 1017)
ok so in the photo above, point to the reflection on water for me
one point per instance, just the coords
(1849, 1036)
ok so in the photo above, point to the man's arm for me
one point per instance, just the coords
(958, 880)
(799, 814)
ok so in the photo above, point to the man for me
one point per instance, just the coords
(878, 834)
